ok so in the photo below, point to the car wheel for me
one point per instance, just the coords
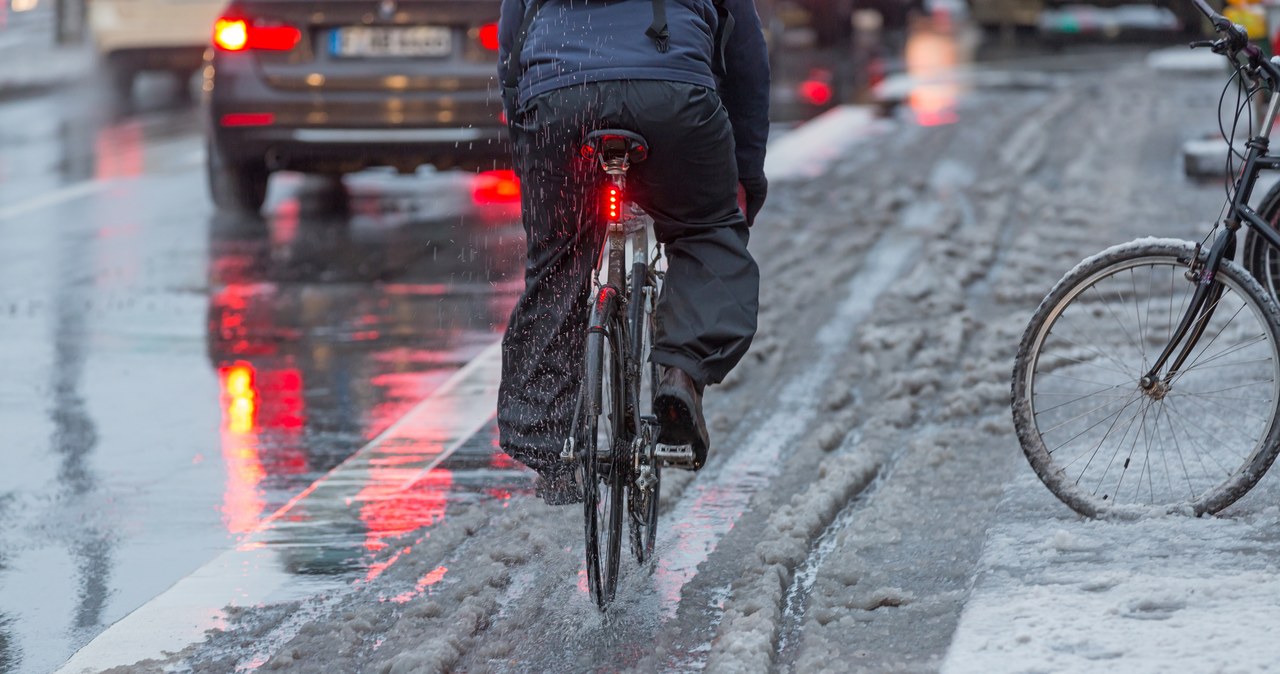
(120, 76)
(236, 186)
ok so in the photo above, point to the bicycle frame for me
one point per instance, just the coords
(626, 238)
(1205, 299)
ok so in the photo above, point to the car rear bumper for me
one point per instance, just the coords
(347, 149)
(325, 130)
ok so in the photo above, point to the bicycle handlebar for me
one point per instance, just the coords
(1235, 41)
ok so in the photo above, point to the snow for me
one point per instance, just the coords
(1151, 595)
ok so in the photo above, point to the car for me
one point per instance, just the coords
(132, 36)
(998, 14)
(832, 20)
(335, 87)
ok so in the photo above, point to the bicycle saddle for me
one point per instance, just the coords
(614, 145)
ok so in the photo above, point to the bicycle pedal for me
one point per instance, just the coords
(676, 456)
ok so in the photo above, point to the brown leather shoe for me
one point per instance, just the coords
(678, 406)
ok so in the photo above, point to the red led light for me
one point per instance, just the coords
(488, 35)
(613, 203)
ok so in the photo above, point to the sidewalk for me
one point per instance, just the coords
(29, 57)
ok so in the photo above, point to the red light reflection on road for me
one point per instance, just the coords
(242, 502)
(424, 584)
(389, 511)
(285, 223)
(118, 151)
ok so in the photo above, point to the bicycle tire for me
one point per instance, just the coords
(603, 425)
(642, 504)
(1056, 351)
(1258, 256)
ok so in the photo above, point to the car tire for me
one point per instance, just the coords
(121, 75)
(239, 187)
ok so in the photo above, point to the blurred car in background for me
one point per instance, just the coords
(993, 14)
(337, 86)
(832, 20)
(132, 36)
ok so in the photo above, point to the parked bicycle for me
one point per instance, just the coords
(1148, 380)
(614, 441)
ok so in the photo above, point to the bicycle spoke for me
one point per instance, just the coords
(1093, 453)
(1123, 369)
(1231, 388)
(1205, 434)
(1083, 381)
(1078, 416)
(1226, 413)
(1136, 397)
(1219, 333)
(1228, 352)
(1119, 322)
(1142, 412)
(1177, 446)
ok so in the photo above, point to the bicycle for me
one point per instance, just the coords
(1148, 380)
(614, 437)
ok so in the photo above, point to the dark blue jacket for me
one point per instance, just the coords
(576, 41)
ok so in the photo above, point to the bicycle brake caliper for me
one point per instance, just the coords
(568, 453)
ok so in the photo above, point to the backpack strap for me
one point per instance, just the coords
(724, 28)
(658, 29)
(511, 83)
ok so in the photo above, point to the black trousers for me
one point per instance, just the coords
(706, 315)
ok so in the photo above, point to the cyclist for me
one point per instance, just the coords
(692, 77)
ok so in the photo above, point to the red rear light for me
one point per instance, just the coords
(612, 203)
(489, 36)
(248, 119)
(238, 35)
(231, 34)
(816, 92)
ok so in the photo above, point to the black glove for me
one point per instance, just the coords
(755, 189)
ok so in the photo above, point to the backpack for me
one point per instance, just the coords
(657, 31)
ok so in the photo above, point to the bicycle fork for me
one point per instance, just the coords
(1199, 312)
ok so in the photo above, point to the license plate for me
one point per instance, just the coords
(381, 41)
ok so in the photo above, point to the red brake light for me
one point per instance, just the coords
(816, 92)
(489, 36)
(231, 34)
(612, 203)
(238, 35)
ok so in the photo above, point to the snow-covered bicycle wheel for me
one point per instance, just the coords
(1103, 443)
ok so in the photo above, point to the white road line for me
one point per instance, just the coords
(58, 196)
(253, 573)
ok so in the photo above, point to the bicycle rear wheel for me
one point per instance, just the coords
(643, 491)
(1258, 256)
(604, 447)
(1105, 445)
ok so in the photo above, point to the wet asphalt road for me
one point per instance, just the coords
(174, 375)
